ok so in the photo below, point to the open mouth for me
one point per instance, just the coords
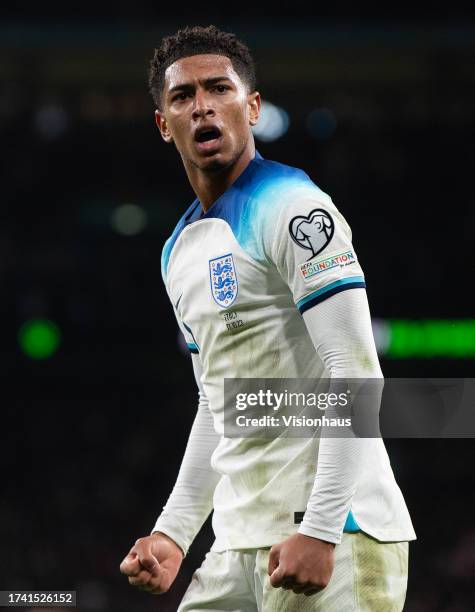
(207, 134)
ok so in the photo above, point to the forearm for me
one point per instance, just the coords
(191, 500)
(340, 328)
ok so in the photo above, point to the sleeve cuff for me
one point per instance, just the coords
(164, 526)
(321, 534)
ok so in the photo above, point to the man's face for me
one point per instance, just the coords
(207, 111)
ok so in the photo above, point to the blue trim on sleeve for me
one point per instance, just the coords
(354, 282)
(192, 347)
(351, 526)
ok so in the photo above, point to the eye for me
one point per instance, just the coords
(220, 88)
(181, 96)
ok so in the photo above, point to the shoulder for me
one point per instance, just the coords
(279, 186)
(283, 193)
(272, 175)
(264, 203)
(291, 211)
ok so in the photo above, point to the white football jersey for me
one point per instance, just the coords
(239, 276)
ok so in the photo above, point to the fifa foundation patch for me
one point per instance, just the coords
(310, 269)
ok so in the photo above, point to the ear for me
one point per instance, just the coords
(163, 126)
(254, 106)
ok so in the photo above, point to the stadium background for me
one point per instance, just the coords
(381, 114)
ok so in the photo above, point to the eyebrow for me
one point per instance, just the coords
(207, 83)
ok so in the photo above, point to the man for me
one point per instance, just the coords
(264, 282)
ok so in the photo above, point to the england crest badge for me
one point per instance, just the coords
(223, 280)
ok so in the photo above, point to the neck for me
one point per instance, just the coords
(209, 186)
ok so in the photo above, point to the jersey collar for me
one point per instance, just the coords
(196, 212)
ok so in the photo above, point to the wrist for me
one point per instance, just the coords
(164, 536)
(319, 540)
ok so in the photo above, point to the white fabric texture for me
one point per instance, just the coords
(340, 328)
(368, 577)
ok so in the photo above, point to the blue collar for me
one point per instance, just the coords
(196, 212)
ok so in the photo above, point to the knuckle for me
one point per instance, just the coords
(141, 580)
(158, 586)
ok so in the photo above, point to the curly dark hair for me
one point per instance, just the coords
(194, 41)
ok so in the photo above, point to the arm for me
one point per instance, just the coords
(340, 328)
(154, 561)
(310, 244)
(191, 500)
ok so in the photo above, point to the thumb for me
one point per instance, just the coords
(277, 576)
(273, 560)
(130, 565)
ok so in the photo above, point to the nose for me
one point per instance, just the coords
(202, 106)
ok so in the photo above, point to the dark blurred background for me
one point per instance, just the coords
(98, 394)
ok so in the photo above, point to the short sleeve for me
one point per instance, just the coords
(310, 244)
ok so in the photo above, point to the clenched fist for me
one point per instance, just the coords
(153, 563)
(301, 563)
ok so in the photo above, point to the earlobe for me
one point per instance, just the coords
(254, 102)
(161, 123)
(157, 119)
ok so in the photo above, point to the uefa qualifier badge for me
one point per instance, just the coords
(313, 232)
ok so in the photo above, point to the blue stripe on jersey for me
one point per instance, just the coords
(194, 344)
(322, 294)
(351, 526)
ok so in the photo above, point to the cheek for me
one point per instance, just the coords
(240, 121)
(179, 129)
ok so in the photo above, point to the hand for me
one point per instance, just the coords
(301, 563)
(153, 563)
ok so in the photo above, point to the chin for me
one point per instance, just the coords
(214, 163)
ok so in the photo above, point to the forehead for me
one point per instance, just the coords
(199, 67)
